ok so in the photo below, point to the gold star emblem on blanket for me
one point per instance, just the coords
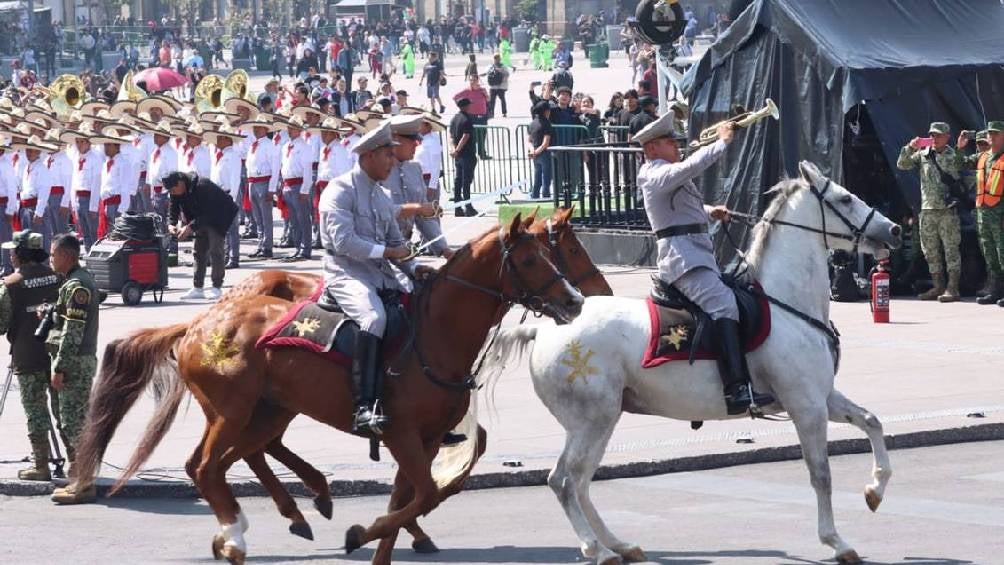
(578, 363)
(306, 327)
(218, 352)
(676, 336)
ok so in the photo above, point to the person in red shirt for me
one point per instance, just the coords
(478, 110)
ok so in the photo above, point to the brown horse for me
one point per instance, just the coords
(219, 364)
(566, 253)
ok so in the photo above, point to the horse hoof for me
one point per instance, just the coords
(234, 556)
(424, 546)
(633, 554)
(354, 538)
(218, 542)
(302, 529)
(323, 505)
(849, 557)
(872, 498)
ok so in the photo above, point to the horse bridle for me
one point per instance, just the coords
(856, 233)
(529, 297)
(559, 256)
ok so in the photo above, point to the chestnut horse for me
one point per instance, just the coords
(217, 361)
(566, 252)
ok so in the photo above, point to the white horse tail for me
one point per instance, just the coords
(454, 463)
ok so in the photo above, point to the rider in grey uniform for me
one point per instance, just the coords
(408, 189)
(677, 213)
(361, 237)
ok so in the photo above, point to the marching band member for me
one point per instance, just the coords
(244, 111)
(408, 189)
(312, 116)
(262, 165)
(296, 167)
(163, 161)
(143, 147)
(333, 160)
(35, 185)
(8, 203)
(193, 157)
(61, 172)
(85, 181)
(116, 181)
(226, 173)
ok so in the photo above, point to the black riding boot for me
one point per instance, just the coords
(367, 380)
(732, 368)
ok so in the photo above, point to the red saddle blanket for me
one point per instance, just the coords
(332, 335)
(672, 331)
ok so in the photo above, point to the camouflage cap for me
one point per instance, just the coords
(939, 127)
(26, 239)
(981, 136)
(995, 126)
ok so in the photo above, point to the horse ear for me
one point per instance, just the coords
(810, 172)
(565, 215)
(516, 226)
(530, 218)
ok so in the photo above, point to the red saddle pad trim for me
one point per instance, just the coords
(652, 359)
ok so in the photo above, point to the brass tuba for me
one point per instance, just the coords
(209, 94)
(65, 94)
(236, 86)
(128, 90)
(709, 134)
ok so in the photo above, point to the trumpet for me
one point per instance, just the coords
(709, 134)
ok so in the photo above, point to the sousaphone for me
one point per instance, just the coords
(65, 94)
(129, 91)
(209, 94)
(236, 86)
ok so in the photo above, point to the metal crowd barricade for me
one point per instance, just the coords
(607, 194)
(502, 159)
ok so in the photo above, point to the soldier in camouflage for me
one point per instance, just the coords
(31, 285)
(73, 346)
(989, 188)
(940, 230)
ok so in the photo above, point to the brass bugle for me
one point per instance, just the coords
(710, 134)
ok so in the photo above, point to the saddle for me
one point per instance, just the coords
(678, 325)
(319, 325)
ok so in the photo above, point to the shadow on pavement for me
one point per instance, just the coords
(177, 506)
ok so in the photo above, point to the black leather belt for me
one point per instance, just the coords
(686, 229)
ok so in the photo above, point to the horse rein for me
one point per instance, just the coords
(553, 238)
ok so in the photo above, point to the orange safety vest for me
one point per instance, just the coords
(989, 189)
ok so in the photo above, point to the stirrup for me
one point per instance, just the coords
(368, 420)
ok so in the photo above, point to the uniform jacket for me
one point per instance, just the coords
(87, 176)
(194, 160)
(297, 162)
(116, 175)
(75, 332)
(358, 223)
(932, 190)
(162, 162)
(226, 171)
(20, 295)
(405, 185)
(672, 199)
(262, 160)
(8, 186)
(333, 161)
(35, 183)
(61, 174)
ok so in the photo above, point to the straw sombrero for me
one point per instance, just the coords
(224, 131)
(295, 122)
(91, 109)
(122, 107)
(109, 137)
(331, 124)
(263, 120)
(168, 106)
(233, 104)
(303, 111)
(33, 142)
(85, 131)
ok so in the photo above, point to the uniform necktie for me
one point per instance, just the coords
(156, 154)
(108, 165)
(48, 162)
(219, 155)
(289, 149)
(254, 146)
(326, 152)
(191, 156)
(80, 164)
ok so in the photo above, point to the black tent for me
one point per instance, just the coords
(843, 72)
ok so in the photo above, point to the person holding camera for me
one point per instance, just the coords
(23, 295)
(989, 165)
(73, 344)
(940, 230)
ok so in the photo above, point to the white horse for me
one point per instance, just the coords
(589, 372)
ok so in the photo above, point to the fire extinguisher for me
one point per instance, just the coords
(880, 294)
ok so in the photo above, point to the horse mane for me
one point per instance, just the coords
(781, 193)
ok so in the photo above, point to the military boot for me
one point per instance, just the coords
(40, 470)
(937, 289)
(366, 384)
(991, 293)
(739, 394)
(75, 494)
(951, 293)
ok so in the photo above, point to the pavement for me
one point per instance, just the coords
(932, 376)
(944, 507)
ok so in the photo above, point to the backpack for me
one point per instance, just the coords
(495, 76)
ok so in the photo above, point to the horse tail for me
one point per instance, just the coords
(128, 366)
(453, 464)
